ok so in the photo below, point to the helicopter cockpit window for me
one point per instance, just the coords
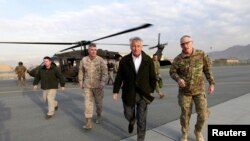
(71, 62)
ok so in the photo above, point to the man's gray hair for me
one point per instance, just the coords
(185, 36)
(135, 39)
(92, 45)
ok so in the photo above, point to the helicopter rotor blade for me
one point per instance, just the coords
(159, 36)
(81, 43)
(125, 31)
(165, 44)
(84, 43)
(115, 44)
(112, 44)
(153, 47)
(41, 43)
(158, 46)
(75, 46)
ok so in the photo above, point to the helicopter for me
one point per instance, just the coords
(68, 61)
(160, 47)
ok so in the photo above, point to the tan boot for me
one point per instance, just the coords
(198, 135)
(184, 137)
(88, 124)
(161, 96)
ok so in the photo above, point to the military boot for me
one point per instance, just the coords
(88, 124)
(98, 119)
(198, 135)
(161, 95)
(184, 137)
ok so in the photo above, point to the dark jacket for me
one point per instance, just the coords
(143, 82)
(49, 77)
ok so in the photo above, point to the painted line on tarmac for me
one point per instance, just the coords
(231, 83)
(70, 88)
(18, 91)
(216, 83)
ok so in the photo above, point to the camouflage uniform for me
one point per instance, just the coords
(157, 71)
(116, 68)
(92, 76)
(111, 67)
(191, 69)
(20, 71)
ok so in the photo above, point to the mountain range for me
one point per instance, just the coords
(5, 68)
(237, 51)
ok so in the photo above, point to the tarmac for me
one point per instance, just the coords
(232, 112)
(22, 111)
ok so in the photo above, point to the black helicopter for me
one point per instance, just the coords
(68, 61)
(160, 47)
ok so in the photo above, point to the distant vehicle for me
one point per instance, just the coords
(68, 61)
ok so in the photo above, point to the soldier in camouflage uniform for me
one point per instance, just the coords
(157, 71)
(92, 77)
(187, 70)
(117, 66)
(111, 68)
(20, 71)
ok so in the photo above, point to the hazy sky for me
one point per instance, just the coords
(212, 23)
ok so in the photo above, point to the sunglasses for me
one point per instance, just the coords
(182, 44)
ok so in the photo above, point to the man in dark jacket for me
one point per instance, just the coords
(136, 75)
(49, 76)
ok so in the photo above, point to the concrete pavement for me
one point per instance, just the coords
(232, 112)
(22, 111)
